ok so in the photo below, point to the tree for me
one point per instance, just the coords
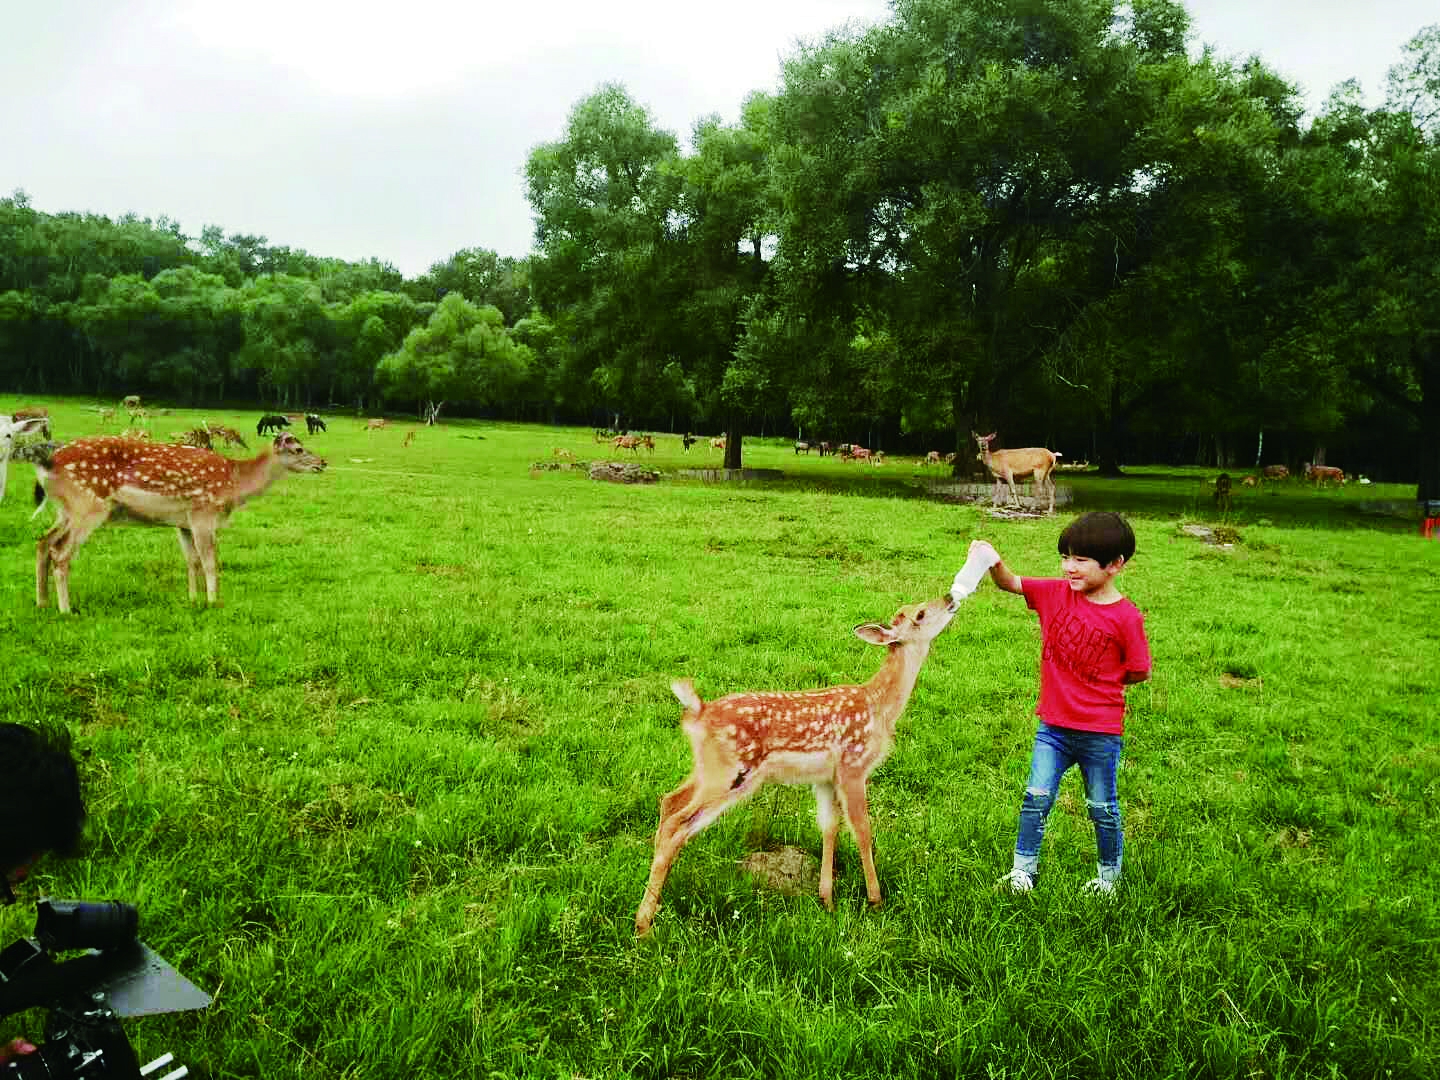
(287, 335)
(462, 354)
(482, 277)
(369, 326)
(723, 216)
(605, 270)
(1403, 260)
(979, 174)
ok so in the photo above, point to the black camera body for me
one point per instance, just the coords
(116, 976)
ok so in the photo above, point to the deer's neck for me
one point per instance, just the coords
(889, 690)
(255, 476)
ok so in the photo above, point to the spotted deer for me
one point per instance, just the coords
(831, 739)
(149, 483)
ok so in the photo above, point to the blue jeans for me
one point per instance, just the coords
(1098, 756)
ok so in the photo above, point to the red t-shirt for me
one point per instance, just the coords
(1088, 651)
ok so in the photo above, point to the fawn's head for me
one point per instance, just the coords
(915, 623)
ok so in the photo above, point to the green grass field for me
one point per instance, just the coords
(393, 802)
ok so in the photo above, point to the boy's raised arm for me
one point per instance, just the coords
(980, 556)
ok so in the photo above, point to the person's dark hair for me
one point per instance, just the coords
(1100, 535)
(41, 809)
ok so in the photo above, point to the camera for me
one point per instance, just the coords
(116, 976)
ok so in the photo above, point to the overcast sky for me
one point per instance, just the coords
(358, 128)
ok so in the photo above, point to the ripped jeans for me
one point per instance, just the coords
(1098, 755)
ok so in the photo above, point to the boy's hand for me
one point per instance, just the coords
(983, 554)
(980, 559)
(985, 549)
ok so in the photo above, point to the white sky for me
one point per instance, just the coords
(355, 128)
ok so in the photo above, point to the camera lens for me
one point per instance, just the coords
(75, 924)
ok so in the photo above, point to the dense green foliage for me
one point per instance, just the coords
(393, 802)
(1039, 217)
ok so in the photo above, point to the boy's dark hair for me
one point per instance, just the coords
(1099, 535)
(41, 808)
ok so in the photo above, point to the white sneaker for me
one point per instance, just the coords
(1016, 881)
(1098, 887)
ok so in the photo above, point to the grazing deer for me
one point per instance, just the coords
(1275, 472)
(376, 424)
(830, 739)
(230, 436)
(627, 442)
(1322, 473)
(1007, 466)
(9, 428)
(271, 422)
(155, 484)
(313, 423)
(199, 437)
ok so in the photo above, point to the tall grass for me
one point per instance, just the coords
(393, 802)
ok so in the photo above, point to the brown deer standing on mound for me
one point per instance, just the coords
(830, 739)
(1007, 466)
(153, 484)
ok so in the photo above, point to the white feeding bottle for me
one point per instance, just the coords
(981, 558)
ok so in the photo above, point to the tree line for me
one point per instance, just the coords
(1047, 219)
(94, 306)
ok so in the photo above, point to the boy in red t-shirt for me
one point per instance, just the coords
(1093, 647)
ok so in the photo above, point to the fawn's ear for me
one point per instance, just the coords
(875, 634)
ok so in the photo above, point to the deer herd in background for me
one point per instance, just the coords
(1319, 475)
(186, 484)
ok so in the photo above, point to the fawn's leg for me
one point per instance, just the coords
(828, 817)
(857, 812)
(192, 560)
(44, 551)
(202, 532)
(82, 523)
(685, 812)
